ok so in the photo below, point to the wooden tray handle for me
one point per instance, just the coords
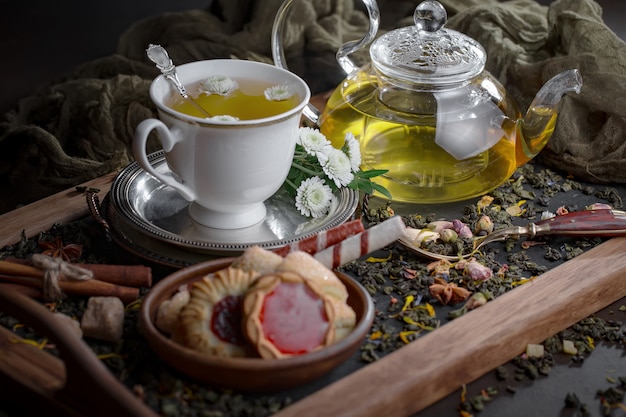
(90, 388)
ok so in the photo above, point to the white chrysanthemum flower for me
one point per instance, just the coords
(353, 151)
(313, 141)
(336, 165)
(313, 197)
(223, 118)
(219, 84)
(279, 92)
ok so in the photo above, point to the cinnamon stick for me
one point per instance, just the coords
(31, 292)
(90, 288)
(127, 275)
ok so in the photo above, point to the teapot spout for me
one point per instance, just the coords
(538, 124)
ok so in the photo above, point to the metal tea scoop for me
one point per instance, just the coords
(160, 57)
(587, 223)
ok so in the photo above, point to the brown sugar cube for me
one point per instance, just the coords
(69, 322)
(103, 319)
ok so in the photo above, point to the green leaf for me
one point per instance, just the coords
(372, 173)
(365, 186)
(382, 190)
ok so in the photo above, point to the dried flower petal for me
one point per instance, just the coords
(449, 236)
(561, 211)
(484, 225)
(484, 202)
(439, 225)
(440, 269)
(462, 229)
(477, 300)
(477, 271)
(419, 236)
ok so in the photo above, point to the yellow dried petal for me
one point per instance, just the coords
(376, 335)
(404, 336)
(372, 259)
(407, 302)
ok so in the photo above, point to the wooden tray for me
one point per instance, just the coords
(41, 215)
(437, 364)
(443, 360)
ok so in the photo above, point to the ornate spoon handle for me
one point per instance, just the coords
(604, 222)
(160, 57)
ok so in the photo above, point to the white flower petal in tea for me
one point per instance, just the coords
(313, 197)
(223, 118)
(279, 92)
(219, 84)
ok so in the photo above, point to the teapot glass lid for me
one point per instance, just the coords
(428, 52)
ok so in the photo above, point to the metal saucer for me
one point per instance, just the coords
(138, 201)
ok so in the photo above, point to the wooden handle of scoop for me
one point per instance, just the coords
(88, 389)
(589, 223)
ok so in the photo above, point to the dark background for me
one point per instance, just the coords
(41, 40)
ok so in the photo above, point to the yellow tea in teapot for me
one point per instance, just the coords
(419, 169)
(239, 98)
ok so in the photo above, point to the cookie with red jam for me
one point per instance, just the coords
(211, 322)
(287, 315)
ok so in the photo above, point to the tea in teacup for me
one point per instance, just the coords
(226, 167)
(243, 99)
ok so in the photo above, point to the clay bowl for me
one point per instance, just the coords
(250, 374)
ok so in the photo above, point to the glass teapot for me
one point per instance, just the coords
(426, 110)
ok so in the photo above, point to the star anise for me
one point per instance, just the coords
(69, 253)
(448, 292)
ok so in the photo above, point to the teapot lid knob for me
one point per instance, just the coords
(430, 16)
(427, 53)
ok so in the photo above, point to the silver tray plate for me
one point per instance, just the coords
(157, 211)
(132, 240)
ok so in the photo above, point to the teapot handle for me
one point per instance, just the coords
(278, 54)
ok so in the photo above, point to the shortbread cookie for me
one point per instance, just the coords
(329, 283)
(167, 314)
(307, 266)
(287, 315)
(255, 258)
(211, 321)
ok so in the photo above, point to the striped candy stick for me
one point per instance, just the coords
(322, 240)
(374, 238)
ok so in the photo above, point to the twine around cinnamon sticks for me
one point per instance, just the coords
(56, 277)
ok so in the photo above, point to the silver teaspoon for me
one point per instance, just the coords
(584, 223)
(160, 57)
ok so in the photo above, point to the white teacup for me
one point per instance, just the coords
(226, 169)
